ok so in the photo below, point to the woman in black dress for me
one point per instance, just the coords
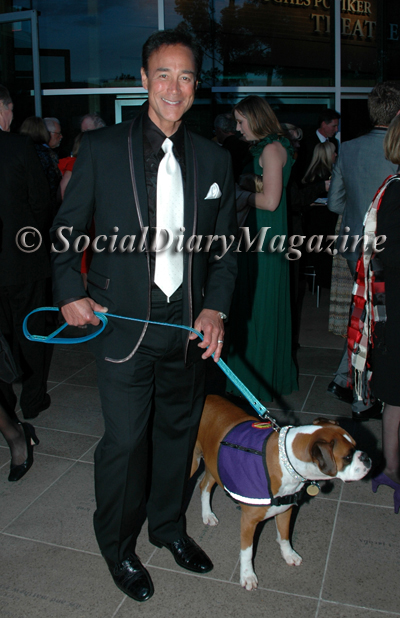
(386, 334)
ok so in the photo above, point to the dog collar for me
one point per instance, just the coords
(313, 487)
(284, 456)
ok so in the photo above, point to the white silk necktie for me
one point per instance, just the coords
(169, 263)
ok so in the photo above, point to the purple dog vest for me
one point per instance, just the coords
(242, 463)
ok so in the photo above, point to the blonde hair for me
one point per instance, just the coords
(260, 116)
(391, 143)
(321, 162)
(251, 182)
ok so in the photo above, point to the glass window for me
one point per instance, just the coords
(361, 28)
(92, 43)
(260, 42)
(16, 67)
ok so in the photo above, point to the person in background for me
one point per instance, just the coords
(37, 130)
(66, 165)
(91, 122)
(24, 203)
(360, 168)
(20, 437)
(54, 128)
(375, 315)
(225, 132)
(260, 351)
(327, 128)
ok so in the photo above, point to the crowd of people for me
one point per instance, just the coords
(156, 173)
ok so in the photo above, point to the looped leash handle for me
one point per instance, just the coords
(258, 407)
(68, 340)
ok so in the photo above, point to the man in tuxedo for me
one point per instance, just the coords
(359, 172)
(151, 378)
(25, 213)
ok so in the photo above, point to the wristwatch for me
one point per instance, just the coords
(222, 315)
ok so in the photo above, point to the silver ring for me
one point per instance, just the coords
(220, 341)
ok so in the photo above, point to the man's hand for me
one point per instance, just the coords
(210, 324)
(80, 312)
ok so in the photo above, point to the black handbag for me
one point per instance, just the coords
(8, 369)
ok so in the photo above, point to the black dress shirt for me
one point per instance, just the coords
(153, 138)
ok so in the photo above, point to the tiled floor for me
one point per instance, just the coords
(50, 563)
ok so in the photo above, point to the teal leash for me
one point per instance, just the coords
(103, 317)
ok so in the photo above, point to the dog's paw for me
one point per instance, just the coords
(210, 519)
(292, 558)
(288, 554)
(249, 580)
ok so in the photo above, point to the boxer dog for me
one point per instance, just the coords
(265, 470)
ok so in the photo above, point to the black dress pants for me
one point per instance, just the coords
(152, 406)
(32, 358)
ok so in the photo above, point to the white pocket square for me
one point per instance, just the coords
(213, 192)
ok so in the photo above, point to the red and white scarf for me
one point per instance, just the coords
(368, 302)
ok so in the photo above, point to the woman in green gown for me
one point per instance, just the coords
(260, 351)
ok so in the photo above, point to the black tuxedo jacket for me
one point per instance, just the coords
(24, 202)
(108, 183)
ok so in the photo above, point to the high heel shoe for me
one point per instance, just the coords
(31, 439)
(383, 479)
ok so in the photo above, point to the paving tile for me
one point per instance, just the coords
(190, 596)
(221, 542)
(85, 377)
(63, 515)
(72, 395)
(295, 400)
(319, 361)
(63, 443)
(321, 402)
(312, 528)
(41, 581)
(361, 492)
(364, 560)
(4, 453)
(76, 409)
(18, 496)
(88, 457)
(67, 361)
(336, 610)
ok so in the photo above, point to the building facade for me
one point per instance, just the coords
(66, 58)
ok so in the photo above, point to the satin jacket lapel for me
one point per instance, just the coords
(137, 170)
(190, 206)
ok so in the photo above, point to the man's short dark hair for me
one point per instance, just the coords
(172, 37)
(327, 116)
(5, 96)
(384, 102)
(225, 122)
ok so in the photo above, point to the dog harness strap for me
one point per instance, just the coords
(241, 448)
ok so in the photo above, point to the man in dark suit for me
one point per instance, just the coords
(328, 126)
(225, 132)
(24, 262)
(359, 172)
(151, 378)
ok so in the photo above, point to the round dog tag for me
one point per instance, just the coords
(312, 490)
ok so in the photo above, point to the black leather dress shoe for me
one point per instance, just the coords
(340, 392)
(374, 412)
(187, 554)
(131, 577)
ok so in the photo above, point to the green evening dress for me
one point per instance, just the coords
(260, 351)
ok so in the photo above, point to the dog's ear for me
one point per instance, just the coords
(322, 454)
(324, 421)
